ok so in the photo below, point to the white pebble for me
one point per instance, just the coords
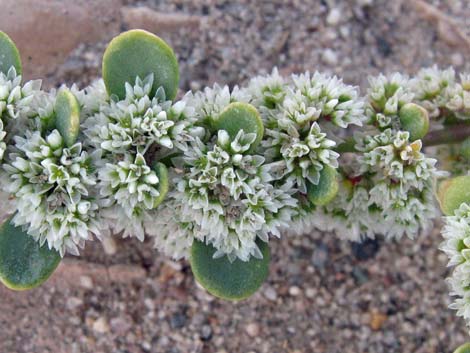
(330, 57)
(334, 16)
(101, 325)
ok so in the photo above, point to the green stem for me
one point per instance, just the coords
(448, 135)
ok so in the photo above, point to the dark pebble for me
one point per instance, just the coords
(320, 256)
(178, 320)
(365, 250)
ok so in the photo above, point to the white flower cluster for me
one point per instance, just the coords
(456, 245)
(442, 94)
(292, 112)
(129, 133)
(387, 94)
(15, 104)
(398, 179)
(52, 186)
(227, 196)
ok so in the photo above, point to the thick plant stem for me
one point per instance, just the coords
(448, 135)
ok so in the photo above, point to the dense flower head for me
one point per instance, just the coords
(294, 112)
(386, 189)
(456, 245)
(138, 121)
(227, 194)
(52, 188)
(129, 133)
(386, 95)
(16, 101)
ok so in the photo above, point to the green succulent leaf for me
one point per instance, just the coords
(227, 280)
(9, 55)
(414, 119)
(67, 116)
(138, 53)
(326, 189)
(465, 348)
(452, 193)
(163, 184)
(241, 116)
(24, 264)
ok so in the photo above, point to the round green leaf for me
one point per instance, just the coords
(138, 53)
(241, 116)
(326, 189)
(227, 280)
(9, 55)
(162, 174)
(23, 263)
(67, 116)
(414, 119)
(452, 193)
(465, 348)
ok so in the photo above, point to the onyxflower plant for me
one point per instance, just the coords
(215, 175)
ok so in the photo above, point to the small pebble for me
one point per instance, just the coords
(294, 291)
(320, 256)
(73, 303)
(86, 282)
(334, 16)
(206, 333)
(366, 250)
(178, 320)
(377, 320)
(252, 329)
(270, 294)
(101, 325)
(330, 57)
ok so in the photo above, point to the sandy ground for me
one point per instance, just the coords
(323, 294)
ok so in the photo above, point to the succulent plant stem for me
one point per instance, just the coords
(449, 135)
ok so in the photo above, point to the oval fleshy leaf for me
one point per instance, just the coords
(414, 119)
(67, 116)
(452, 193)
(23, 263)
(465, 348)
(9, 55)
(227, 280)
(138, 53)
(241, 116)
(163, 184)
(326, 189)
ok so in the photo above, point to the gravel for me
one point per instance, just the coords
(323, 294)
